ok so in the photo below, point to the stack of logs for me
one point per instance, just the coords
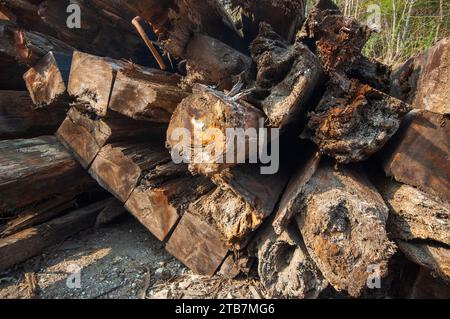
(362, 189)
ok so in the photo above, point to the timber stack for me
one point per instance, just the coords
(140, 101)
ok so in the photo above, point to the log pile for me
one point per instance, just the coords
(359, 180)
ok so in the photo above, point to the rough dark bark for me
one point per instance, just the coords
(47, 80)
(418, 154)
(205, 115)
(288, 74)
(422, 81)
(353, 120)
(18, 119)
(36, 169)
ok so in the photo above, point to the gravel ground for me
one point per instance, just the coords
(122, 260)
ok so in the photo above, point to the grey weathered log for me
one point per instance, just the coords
(353, 121)
(47, 80)
(342, 219)
(33, 170)
(284, 266)
(18, 119)
(422, 81)
(290, 74)
(415, 214)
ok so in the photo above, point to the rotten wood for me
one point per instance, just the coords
(353, 121)
(47, 80)
(342, 219)
(205, 116)
(288, 76)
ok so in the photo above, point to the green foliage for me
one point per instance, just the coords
(407, 26)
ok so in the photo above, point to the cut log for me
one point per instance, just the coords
(419, 151)
(28, 47)
(338, 41)
(47, 80)
(146, 94)
(85, 134)
(248, 198)
(163, 195)
(353, 121)
(18, 119)
(119, 167)
(435, 258)
(342, 220)
(415, 214)
(197, 132)
(30, 242)
(422, 81)
(212, 62)
(38, 214)
(285, 267)
(36, 169)
(101, 29)
(284, 16)
(91, 81)
(290, 74)
(176, 21)
(197, 244)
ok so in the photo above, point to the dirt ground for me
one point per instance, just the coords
(121, 260)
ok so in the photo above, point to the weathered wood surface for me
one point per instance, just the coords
(163, 196)
(422, 81)
(146, 94)
(197, 244)
(85, 134)
(415, 214)
(119, 167)
(433, 257)
(175, 22)
(211, 62)
(104, 25)
(113, 210)
(18, 119)
(35, 169)
(284, 16)
(205, 116)
(30, 242)
(418, 154)
(285, 267)
(338, 41)
(342, 219)
(288, 76)
(47, 80)
(353, 121)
